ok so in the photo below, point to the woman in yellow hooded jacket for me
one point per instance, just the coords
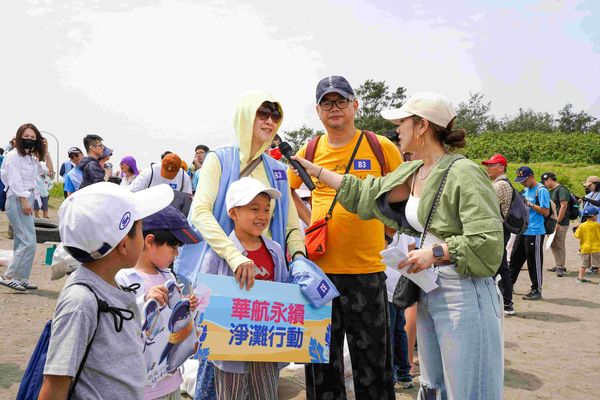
(257, 118)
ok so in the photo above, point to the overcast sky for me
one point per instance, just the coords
(151, 75)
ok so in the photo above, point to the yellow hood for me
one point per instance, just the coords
(243, 123)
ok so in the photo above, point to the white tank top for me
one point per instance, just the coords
(412, 205)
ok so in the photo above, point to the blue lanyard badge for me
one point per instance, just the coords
(363, 165)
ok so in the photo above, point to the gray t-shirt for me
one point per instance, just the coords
(115, 367)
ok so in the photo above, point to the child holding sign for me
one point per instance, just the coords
(248, 203)
(164, 232)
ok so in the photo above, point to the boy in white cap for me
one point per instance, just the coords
(95, 329)
(248, 203)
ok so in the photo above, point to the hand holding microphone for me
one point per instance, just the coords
(286, 150)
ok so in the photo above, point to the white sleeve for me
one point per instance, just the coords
(187, 183)
(141, 181)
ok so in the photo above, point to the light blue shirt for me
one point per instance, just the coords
(593, 196)
(73, 180)
(536, 220)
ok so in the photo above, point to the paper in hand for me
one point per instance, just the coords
(425, 279)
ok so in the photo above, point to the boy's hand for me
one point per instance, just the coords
(244, 274)
(193, 302)
(158, 293)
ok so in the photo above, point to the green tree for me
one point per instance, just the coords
(373, 98)
(474, 115)
(569, 121)
(529, 121)
(297, 138)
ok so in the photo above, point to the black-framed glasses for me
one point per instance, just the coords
(327, 105)
(264, 113)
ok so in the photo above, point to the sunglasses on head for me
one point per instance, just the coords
(264, 113)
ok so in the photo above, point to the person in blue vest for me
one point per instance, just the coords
(256, 120)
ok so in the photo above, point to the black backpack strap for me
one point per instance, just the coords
(118, 319)
(151, 175)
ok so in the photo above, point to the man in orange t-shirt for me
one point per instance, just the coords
(352, 259)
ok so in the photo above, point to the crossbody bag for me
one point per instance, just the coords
(315, 237)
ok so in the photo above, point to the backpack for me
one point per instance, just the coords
(181, 200)
(517, 219)
(31, 383)
(551, 220)
(376, 148)
(573, 210)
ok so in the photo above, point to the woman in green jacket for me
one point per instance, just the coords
(458, 323)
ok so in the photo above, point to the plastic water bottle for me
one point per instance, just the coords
(49, 254)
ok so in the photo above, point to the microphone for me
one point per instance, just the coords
(286, 150)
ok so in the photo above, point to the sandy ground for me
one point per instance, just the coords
(552, 347)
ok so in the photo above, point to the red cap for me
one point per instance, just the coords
(495, 159)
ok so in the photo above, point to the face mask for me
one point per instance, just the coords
(28, 144)
(587, 190)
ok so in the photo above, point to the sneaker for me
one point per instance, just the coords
(26, 284)
(553, 269)
(560, 272)
(533, 295)
(405, 382)
(12, 283)
(582, 280)
(509, 310)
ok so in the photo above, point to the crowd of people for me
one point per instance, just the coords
(240, 211)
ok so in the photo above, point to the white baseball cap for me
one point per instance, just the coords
(245, 190)
(434, 107)
(96, 218)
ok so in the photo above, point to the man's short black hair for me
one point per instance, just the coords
(164, 237)
(166, 153)
(202, 147)
(1, 151)
(90, 140)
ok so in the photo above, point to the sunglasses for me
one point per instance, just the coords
(264, 113)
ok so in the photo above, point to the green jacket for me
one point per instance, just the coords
(467, 217)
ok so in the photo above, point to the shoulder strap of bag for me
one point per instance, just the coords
(250, 167)
(311, 147)
(151, 174)
(377, 150)
(328, 215)
(436, 200)
(102, 307)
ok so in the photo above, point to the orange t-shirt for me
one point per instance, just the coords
(353, 245)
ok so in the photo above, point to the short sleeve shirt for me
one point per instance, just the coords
(115, 367)
(536, 220)
(558, 194)
(353, 245)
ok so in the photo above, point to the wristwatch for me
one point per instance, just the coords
(438, 252)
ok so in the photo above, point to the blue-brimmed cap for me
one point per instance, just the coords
(523, 173)
(172, 220)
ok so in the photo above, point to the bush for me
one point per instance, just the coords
(527, 147)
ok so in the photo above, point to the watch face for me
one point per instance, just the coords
(438, 251)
